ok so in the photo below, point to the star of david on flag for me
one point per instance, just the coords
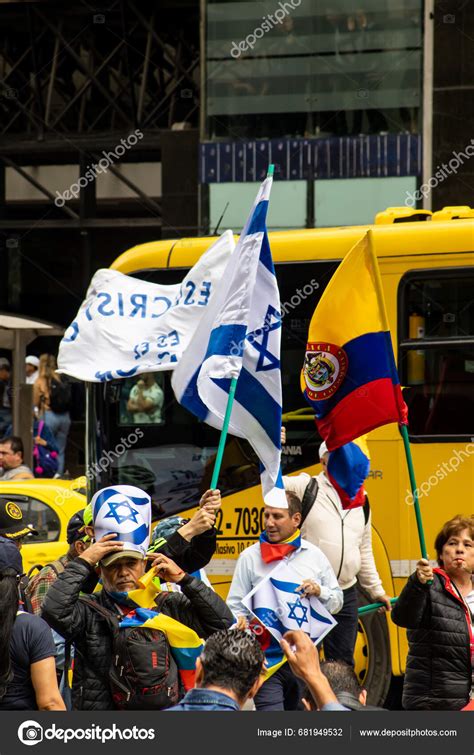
(239, 337)
(280, 609)
(126, 511)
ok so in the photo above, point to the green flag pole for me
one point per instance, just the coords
(374, 606)
(230, 401)
(414, 490)
(224, 431)
(403, 428)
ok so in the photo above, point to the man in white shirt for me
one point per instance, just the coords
(345, 537)
(281, 540)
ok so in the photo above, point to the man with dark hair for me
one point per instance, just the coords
(11, 460)
(280, 540)
(343, 682)
(227, 673)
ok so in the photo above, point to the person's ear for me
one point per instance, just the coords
(80, 546)
(297, 519)
(199, 673)
(363, 697)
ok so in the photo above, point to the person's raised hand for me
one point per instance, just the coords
(424, 572)
(102, 548)
(166, 569)
(301, 654)
(202, 521)
(211, 500)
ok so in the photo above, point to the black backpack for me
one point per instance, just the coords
(143, 674)
(60, 396)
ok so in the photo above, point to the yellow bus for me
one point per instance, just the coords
(427, 268)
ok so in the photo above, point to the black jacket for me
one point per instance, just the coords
(438, 673)
(190, 556)
(197, 606)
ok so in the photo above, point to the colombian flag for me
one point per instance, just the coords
(349, 375)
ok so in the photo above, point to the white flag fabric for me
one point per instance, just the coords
(128, 326)
(239, 336)
(276, 604)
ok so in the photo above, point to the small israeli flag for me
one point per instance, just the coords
(126, 511)
(277, 605)
(239, 337)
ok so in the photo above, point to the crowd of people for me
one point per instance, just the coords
(129, 615)
(51, 420)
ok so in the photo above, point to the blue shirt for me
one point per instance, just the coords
(206, 699)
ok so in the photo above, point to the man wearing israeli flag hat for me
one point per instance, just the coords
(122, 518)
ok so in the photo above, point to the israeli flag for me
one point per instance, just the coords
(239, 336)
(126, 511)
(277, 605)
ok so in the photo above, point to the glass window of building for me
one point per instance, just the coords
(308, 68)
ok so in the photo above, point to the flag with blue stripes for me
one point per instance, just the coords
(239, 337)
(277, 609)
(277, 605)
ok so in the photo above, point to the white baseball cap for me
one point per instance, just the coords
(32, 360)
(323, 449)
(4, 363)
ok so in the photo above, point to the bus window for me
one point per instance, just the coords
(436, 352)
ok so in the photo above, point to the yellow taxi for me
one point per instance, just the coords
(46, 505)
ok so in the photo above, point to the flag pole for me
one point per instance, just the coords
(230, 401)
(403, 428)
(224, 431)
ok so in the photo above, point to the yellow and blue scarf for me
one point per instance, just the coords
(276, 551)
